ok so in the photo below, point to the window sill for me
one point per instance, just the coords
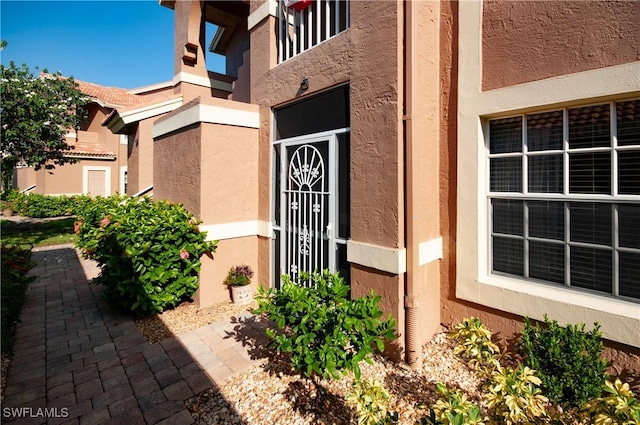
(619, 319)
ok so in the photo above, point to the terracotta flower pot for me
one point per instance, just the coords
(241, 294)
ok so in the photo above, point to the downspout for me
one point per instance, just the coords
(413, 344)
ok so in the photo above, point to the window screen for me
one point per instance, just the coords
(564, 189)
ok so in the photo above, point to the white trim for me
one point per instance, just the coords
(123, 171)
(144, 112)
(152, 87)
(143, 191)
(184, 77)
(268, 8)
(390, 260)
(620, 320)
(85, 178)
(123, 139)
(237, 229)
(138, 114)
(208, 114)
(430, 251)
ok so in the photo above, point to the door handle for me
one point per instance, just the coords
(329, 231)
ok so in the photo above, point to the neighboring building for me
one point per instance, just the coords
(102, 156)
(458, 158)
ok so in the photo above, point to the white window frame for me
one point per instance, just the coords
(566, 196)
(85, 178)
(620, 319)
(123, 177)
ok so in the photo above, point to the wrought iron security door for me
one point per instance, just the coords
(307, 205)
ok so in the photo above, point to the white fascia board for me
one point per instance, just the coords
(151, 87)
(268, 8)
(237, 229)
(185, 77)
(115, 124)
(390, 260)
(208, 114)
(149, 111)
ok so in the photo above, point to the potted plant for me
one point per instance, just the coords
(7, 208)
(239, 278)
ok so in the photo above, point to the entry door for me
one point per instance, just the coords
(97, 181)
(307, 204)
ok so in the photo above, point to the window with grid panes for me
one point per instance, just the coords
(564, 197)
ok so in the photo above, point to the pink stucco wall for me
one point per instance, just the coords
(211, 169)
(532, 40)
(510, 30)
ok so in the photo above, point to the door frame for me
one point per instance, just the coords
(331, 171)
(107, 178)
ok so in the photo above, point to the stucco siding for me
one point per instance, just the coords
(526, 41)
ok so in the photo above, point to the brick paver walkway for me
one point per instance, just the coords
(82, 362)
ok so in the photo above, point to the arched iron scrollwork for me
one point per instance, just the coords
(307, 201)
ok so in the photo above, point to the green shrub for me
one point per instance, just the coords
(567, 359)
(370, 399)
(618, 406)
(475, 345)
(15, 265)
(325, 331)
(149, 252)
(514, 396)
(42, 206)
(453, 408)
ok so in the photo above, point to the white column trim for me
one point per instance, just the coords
(390, 260)
(185, 77)
(268, 8)
(207, 113)
(430, 251)
(237, 229)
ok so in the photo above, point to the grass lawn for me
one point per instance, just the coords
(50, 232)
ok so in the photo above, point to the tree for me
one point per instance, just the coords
(37, 113)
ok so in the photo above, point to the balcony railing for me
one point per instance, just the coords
(301, 30)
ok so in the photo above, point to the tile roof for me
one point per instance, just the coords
(110, 96)
(87, 148)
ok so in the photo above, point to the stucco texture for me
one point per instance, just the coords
(531, 40)
(230, 253)
(229, 189)
(509, 68)
(176, 168)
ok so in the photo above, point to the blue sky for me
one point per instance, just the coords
(123, 44)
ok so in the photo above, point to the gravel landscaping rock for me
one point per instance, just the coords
(272, 393)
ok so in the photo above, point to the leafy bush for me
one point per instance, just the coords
(453, 408)
(149, 251)
(41, 206)
(567, 360)
(618, 406)
(475, 345)
(325, 331)
(369, 399)
(514, 396)
(15, 264)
